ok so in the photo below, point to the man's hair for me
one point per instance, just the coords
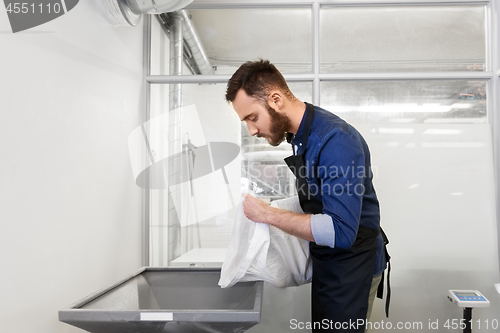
(257, 79)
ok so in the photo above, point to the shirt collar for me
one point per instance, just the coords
(295, 139)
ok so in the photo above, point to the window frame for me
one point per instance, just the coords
(491, 75)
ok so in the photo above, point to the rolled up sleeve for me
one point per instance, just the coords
(322, 230)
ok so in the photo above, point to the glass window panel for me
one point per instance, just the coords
(195, 191)
(432, 180)
(432, 174)
(231, 37)
(433, 101)
(402, 38)
(301, 90)
(195, 174)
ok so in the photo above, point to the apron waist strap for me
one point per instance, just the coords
(380, 291)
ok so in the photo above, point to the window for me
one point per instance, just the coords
(232, 36)
(402, 38)
(416, 79)
(403, 101)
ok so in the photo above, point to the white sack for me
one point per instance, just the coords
(258, 251)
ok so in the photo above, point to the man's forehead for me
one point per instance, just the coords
(245, 106)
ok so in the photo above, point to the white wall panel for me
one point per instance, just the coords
(437, 198)
(70, 210)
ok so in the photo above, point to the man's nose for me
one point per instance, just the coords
(252, 129)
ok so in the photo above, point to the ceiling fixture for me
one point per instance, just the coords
(129, 12)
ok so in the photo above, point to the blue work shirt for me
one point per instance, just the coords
(338, 173)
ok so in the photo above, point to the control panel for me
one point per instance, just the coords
(468, 298)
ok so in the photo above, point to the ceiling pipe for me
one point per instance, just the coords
(192, 40)
(195, 56)
(175, 165)
(129, 12)
(157, 6)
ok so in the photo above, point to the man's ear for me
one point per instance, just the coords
(275, 100)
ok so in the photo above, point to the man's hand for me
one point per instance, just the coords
(294, 224)
(256, 209)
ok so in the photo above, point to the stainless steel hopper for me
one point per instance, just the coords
(168, 300)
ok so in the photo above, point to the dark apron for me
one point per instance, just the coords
(341, 277)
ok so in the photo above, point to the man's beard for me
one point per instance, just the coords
(280, 123)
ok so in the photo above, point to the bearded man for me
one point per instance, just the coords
(341, 219)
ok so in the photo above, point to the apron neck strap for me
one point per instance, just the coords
(307, 126)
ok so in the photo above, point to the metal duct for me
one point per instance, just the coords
(175, 135)
(156, 6)
(195, 55)
(176, 56)
(129, 12)
(195, 46)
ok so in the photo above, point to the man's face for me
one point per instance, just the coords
(262, 120)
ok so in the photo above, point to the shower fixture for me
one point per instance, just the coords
(129, 12)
